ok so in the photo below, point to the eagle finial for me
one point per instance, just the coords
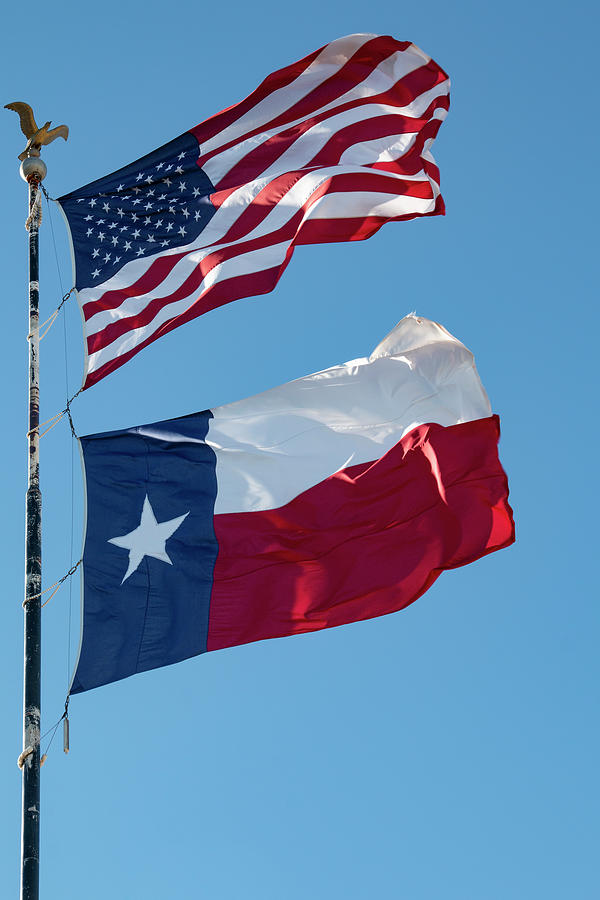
(37, 137)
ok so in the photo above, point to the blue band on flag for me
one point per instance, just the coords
(150, 548)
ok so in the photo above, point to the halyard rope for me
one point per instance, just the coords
(50, 320)
(53, 587)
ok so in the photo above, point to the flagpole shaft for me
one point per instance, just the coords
(30, 822)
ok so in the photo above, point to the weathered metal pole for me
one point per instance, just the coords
(33, 171)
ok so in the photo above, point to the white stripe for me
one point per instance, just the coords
(287, 207)
(294, 159)
(244, 264)
(383, 149)
(209, 237)
(310, 142)
(327, 63)
(274, 446)
(370, 204)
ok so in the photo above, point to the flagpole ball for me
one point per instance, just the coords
(33, 167)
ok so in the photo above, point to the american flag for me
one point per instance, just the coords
(327, 149)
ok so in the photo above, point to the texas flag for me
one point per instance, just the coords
(334, 498)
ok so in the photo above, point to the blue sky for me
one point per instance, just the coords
(447, 751)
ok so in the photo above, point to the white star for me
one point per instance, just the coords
(107, 257)
(117, 258)
(164, 243)
(92, 202)
(115, 241)
(148, 539)
(96, 272)
(181, 155)
(88, 232)
(101, 235)
(179, 170)
(196, 192)
(148, 179)
(127, 245)
(136, 233)
(95, 253)
(182, 231)
(105, 207)
(89, 219)
(140, 252)
(120, 188)
(169, 226)
(120, 213)
(139, 176)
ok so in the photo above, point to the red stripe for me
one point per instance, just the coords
(228, 290)
(368, 130)
(252, 215)
(224, 292)
(255, 163)
(365, 180)
(367, 541)
(156, 273)
(257, 160)
(275, 81)
(342, 80)
(291, 231)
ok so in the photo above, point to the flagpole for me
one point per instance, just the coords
(33, 170)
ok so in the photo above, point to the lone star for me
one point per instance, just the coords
(148, 539)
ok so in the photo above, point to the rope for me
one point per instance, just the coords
(53, 587)
(56, 419)
(46, 194)
(50, 320)
(65, 716)
(68, 412)
(35, 215)
(53, 728)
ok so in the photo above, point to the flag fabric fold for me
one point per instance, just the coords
(326, 149)
(337, 497)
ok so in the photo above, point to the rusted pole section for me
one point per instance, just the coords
(33, 171)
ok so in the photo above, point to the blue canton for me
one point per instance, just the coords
(159, 613)
(159, 202)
